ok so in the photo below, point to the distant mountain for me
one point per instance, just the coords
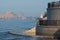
(1, 16)
(11, 15)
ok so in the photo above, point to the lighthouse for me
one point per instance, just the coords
(50, 25)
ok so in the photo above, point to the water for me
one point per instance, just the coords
(8, 25)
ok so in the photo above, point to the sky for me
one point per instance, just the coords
(27, 7)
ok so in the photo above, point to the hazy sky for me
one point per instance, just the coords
(28, 7)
